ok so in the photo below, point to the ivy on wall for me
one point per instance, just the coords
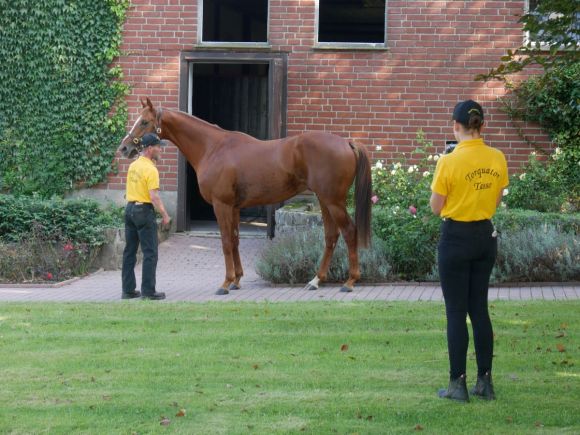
(62, 106)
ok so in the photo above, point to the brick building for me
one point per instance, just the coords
(373, 70)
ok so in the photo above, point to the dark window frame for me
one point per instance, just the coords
(349, 45)
(230, 44)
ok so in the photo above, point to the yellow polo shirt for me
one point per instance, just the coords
(141, 178)
(471, 178)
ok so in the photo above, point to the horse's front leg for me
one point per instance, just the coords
(236, 252)
(224, 215)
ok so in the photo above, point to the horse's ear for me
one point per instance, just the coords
(143, 102)
(150, 104)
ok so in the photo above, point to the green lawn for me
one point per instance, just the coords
(323, 367)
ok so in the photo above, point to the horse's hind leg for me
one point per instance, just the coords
(330, 237)
(348, 230)
(224, 215)
(235, 250)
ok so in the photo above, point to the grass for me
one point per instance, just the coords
(324, 367)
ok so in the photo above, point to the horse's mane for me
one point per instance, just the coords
(187, 115)
(209, 124)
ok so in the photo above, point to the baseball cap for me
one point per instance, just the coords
(151, 139)
(464, 110)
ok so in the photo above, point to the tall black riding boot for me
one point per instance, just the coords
(457, 390)
(484, 387)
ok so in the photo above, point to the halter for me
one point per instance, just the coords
(137, 140)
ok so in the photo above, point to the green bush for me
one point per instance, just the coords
(547, 185)
(295, 258)
(75, 221)
(512, 220)
(62, 103)
(410, 239)
(539, 253)
(50, 240)
(38, 257)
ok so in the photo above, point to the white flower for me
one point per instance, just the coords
(533, 154)
(379, 165)
(436, 157)
(393, 172)
(505, 192)
(503, 205)
(558, 150)
(397, 208)
(397, 165)
(410, 170)
(430, 157)
(426, 174)
(378, 148)
(523, 176)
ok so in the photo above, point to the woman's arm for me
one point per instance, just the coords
(437, 202)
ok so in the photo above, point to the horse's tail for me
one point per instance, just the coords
(362, 196)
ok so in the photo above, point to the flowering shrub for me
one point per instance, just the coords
(43, 240)
(402, 216)
(404, 184)
(39, 257)
(547, 185)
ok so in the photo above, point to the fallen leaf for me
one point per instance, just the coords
(180, 413)
(538, 424)
(369, 417)
(509, 419)
(560, 334)
(563, 325)
(255, 366)
(344, 348)
(560, 347)
(106, 397)
(418, 427)
(165, 421)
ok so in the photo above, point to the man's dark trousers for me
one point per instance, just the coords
(140, 227)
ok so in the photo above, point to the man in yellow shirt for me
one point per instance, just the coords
(466, 190)
(140, 222)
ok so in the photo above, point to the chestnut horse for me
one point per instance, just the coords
(235, 170)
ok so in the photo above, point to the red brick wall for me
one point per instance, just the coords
(435, 48)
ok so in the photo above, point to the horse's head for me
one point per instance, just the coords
(148, 122)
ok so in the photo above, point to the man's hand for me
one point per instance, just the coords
(166, 222)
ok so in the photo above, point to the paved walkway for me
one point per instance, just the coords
(191, 269)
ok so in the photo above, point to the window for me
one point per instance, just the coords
(233, 21)
(351, 23)
(540, 29)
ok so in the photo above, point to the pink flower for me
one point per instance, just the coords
(374, 199)
(68, 247)
(48, 275)
(413, 210)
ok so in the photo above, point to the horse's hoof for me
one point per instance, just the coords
(310, 287)
(234, 287)
(222, 291)
(345, 289)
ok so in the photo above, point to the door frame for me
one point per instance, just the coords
(277, 109)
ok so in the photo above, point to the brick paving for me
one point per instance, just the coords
(191, 268)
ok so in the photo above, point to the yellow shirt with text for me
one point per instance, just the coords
(471, 178)
(141, 178)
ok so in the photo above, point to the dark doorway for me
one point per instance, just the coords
(235, 97)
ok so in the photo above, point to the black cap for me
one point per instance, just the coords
(464, 110)
(151, 139)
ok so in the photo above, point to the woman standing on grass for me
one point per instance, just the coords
(466, 190)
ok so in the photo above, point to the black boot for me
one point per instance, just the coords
(484, 387)
(457, 390)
